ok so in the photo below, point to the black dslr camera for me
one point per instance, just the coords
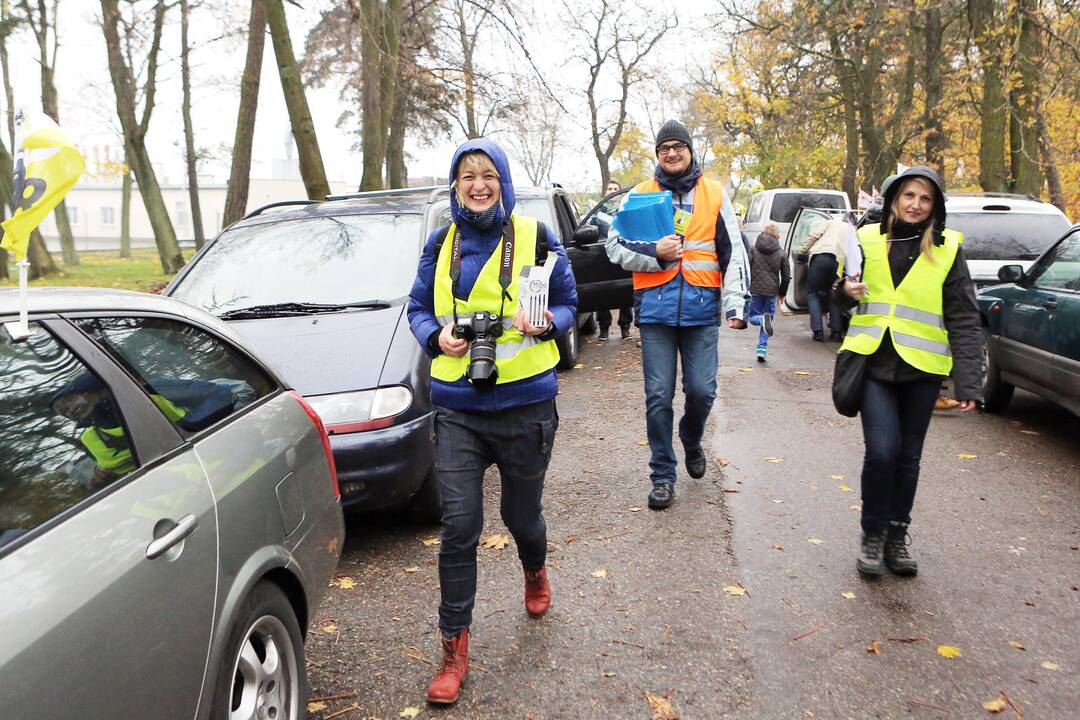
(481, 330)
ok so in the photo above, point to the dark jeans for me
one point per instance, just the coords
(626, 316)
(895, 417)
(820, 277)
(661, 346)
(518, 441)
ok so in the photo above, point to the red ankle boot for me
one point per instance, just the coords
(446, 686)
(537, 592)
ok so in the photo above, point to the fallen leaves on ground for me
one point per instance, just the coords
(874, 648)
(428, 542)
(643, 443)
(778, 501)
(996, 705)
(635, 509)
(329, 628)
(774, 459)
(746, 369)
(315, 706)
(737, 590)
(661, 707)
(1017, 645)
(777, 546)
(345, 583)
(409, 712)
(845, 488)
(722, 461)
(838, 477)
(579, 366)
(967, 456)
(816, 541)
(949, 651)
(848, 595)
(801, 372)
(1047, 665)
(600, 573)
(496, 541)
(412, 569)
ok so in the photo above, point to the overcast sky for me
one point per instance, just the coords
(87, 105)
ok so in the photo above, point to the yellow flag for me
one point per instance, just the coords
(47, 165)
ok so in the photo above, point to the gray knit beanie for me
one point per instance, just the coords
(673, 130)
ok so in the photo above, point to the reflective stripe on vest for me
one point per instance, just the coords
(912, 312)
(110, 449)
(699, 265)
(517, 356)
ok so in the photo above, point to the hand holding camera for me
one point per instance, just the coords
(450, 343)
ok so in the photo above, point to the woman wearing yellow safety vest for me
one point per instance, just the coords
(493, 385)
(916, 320)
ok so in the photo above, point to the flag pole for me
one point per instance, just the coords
(21, 330)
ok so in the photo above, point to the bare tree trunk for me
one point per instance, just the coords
(123, 81)
(125, 210)
(984, 31)
(935, 141)
(468, 71)
(380, 45)
(1024, 135)
(1054, 184)
(9, 95)
(189, 134)
(240, 171)
(397, 174)
(303, 128)
(849, 179)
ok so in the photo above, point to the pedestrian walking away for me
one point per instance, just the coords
(681, 294)
(493, 385)
(824, 251)
(769, 277)
(626, 313)
(915, 321)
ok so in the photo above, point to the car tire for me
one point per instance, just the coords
(568, 348)
(589, 326)
(996, 392)
(264, 661)
(425, 508)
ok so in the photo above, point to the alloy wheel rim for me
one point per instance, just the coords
(265, 678)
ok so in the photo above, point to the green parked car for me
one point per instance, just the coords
(1031, 326)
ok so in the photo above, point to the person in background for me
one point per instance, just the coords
(769, 278)
(824, 251)
(685, 286)
(916, 320)
(626, 313)
(507, 419)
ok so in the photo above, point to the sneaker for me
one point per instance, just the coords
(625, 333)
(871, 560)
(819, 336)
(897, 557)
(695, 463)
(766, 322)
(761, 354)
(661, 496)
(944, 402)
(603, 334)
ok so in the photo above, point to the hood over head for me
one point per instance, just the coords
(766, 244)
(507, 199)
(930, 175)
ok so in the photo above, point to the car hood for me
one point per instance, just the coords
(329, 353)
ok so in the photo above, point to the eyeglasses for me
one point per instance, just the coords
(675, 147)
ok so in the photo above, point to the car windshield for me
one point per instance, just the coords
(328, 260)
(1006, 236)
(537, 207)
(785, 205)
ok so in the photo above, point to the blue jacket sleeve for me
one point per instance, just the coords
(562, 289)
(422, 320)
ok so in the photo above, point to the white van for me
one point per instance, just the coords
(779, 206)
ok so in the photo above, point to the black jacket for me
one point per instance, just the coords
(769, 273)
(958, 306)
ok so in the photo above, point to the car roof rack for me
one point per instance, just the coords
(381, 193)
(281, 203)
(1013, 196)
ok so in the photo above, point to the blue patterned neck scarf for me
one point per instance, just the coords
(481, 220)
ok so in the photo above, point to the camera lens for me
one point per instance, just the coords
(482, 369)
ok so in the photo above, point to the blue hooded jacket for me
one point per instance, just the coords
(477, 245)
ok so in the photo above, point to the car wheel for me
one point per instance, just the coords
(264, 673)
(568, 348)
(589, 326)
(996, 392)
(425, 507)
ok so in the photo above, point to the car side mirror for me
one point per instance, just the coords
(1011, 273)
(586, 234)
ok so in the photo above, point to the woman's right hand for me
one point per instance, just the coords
(854, 287)
(450, 345)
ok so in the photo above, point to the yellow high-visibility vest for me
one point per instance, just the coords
(517, 356)
(111, 448)
(912, 312)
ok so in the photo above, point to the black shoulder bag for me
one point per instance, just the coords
(849, 375)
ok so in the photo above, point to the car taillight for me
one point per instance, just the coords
(322, 436)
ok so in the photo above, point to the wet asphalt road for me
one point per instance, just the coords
(644, 603)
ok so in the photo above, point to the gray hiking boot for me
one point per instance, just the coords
(871, 560)
(897, 557)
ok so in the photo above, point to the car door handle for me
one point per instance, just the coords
(178, 534)
(1050, 304)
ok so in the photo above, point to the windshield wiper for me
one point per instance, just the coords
(299, 308)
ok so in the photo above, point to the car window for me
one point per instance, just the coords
(332, 260)
(194, 378)
(1006, 235)
(753, 215)
(62, 436)
(785, 205)
(537, 207)
(1060, 269)
(808, 222)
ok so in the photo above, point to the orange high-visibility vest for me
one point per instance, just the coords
(699, 265)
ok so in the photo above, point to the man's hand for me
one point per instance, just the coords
(669, 248)
(522, 324)
(450, 345)
(967, 405)
(736, 324)
(854, 288)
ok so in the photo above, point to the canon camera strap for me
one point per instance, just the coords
(506, 266)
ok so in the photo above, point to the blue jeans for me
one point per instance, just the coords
(518, 440)
(819, 281)
(661, 345)
(761, 305)
(895, 417)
